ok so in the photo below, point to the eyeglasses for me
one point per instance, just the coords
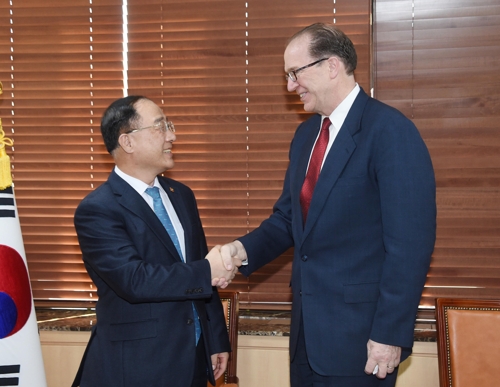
(292, 75)
(162, 125)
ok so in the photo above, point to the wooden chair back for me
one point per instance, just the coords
(231, 312)
(468, 342)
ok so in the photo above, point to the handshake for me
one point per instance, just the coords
(225, 261)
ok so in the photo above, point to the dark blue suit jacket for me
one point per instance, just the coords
(361, 259)
(145, 333)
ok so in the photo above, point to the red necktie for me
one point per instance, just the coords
(312, 175)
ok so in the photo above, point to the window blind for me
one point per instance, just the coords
(61, 65)
(218, 74)
(216, 68)
(438, 63)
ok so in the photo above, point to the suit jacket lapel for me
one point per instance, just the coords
(182, 213)
(336, 160)
(133, 202)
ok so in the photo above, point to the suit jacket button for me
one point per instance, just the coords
(189, 321)
(305, 258)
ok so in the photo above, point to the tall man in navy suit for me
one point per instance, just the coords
(363, 233)
(159, 320)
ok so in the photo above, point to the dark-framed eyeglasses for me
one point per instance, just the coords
(292, 75)
(162, 125)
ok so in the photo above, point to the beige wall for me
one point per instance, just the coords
(262, 360)
(62, 352)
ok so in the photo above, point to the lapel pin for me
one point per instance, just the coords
(171, 189)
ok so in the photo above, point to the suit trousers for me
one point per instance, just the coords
(302, 375)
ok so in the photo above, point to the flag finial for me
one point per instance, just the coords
(5, 174)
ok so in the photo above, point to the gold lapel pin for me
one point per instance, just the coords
(171, 189)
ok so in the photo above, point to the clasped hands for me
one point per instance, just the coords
(225, 261)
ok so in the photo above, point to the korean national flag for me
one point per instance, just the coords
(21, 362)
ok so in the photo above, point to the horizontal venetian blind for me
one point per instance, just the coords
(61, 65)
(438, 63)
(189, 57)
(218, 73)
(276, 113)
(217, 70)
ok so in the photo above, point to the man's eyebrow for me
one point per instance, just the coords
(291, 69)
(160, 119)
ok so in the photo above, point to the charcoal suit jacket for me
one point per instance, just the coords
(145, 333)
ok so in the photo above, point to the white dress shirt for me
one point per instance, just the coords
(141, 187)
(337, 118)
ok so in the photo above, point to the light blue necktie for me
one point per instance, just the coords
(162, 214)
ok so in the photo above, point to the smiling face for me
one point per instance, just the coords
(313, 84)
(149, 151)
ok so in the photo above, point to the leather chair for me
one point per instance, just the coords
(231, 312)
(468, 342)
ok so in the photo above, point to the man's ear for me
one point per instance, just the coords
(334, 66)
(125, 143)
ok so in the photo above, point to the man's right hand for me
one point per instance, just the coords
(234, 251)
(222, 272)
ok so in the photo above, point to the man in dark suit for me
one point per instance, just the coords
(363, 231)
(159, 320)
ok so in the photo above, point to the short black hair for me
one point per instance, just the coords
(118, 118)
